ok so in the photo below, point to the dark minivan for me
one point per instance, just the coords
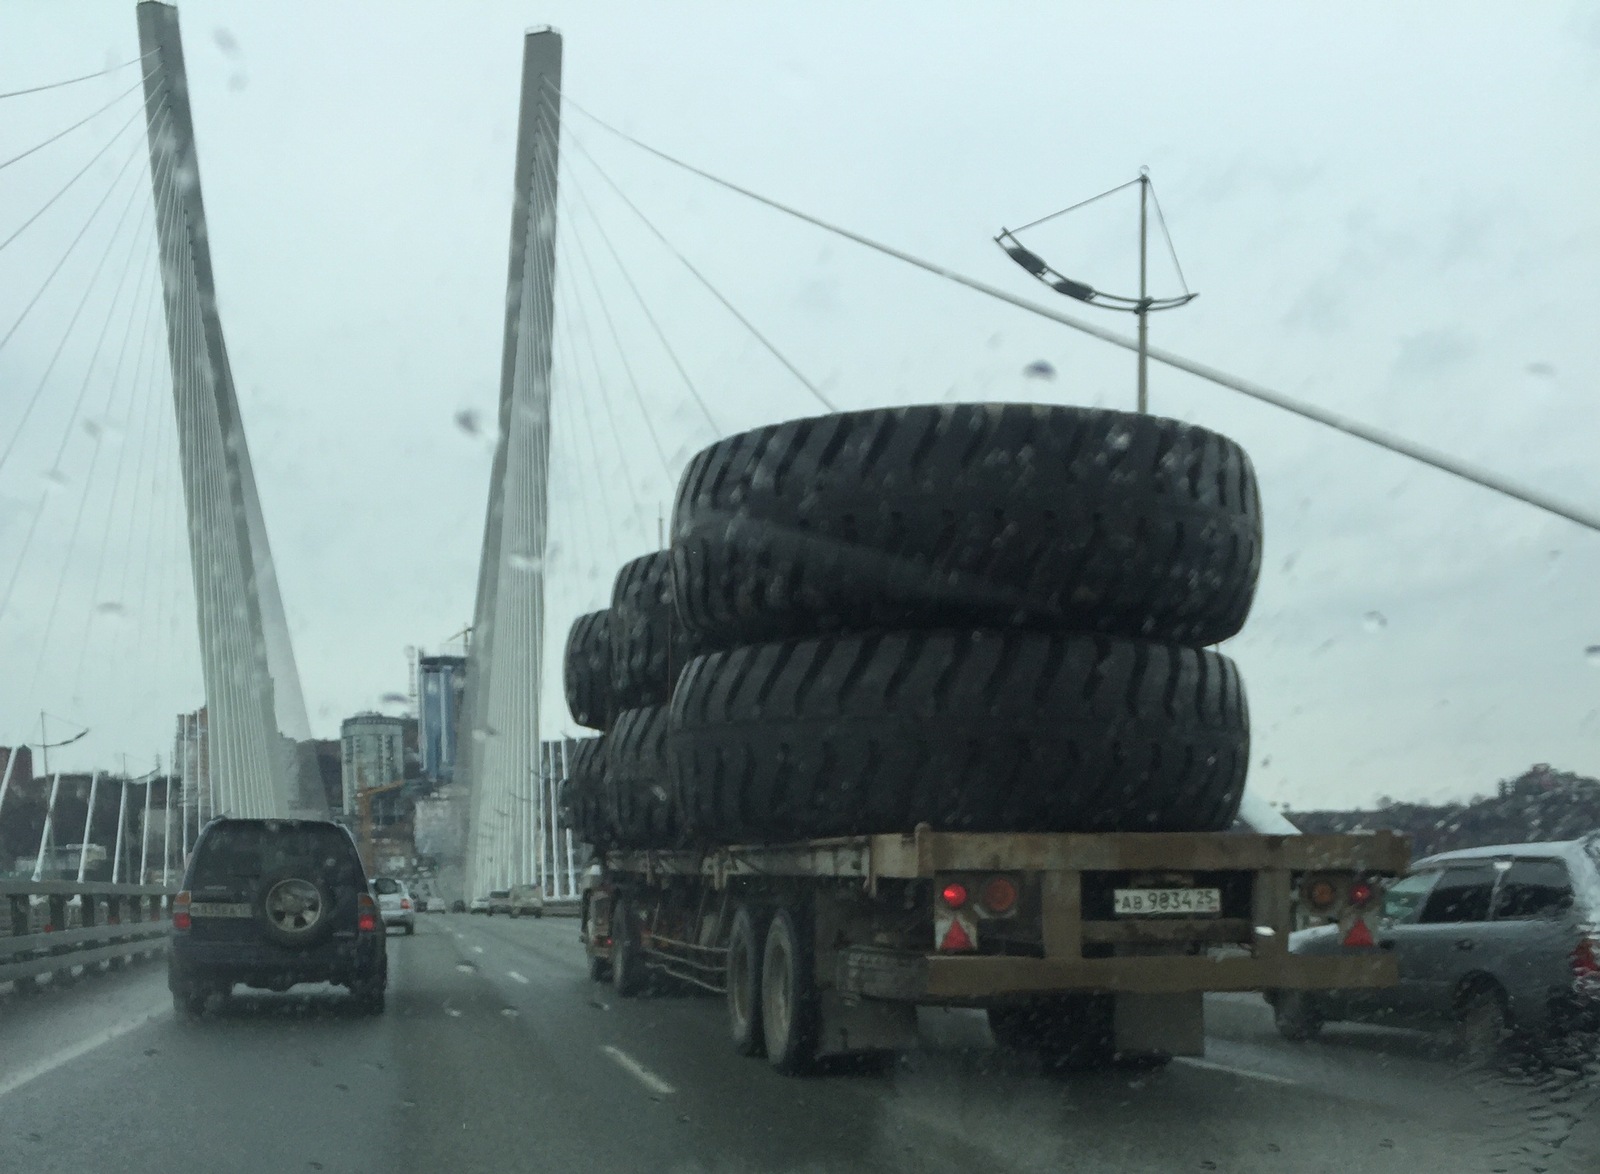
(274, 902)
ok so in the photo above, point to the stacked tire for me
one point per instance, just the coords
(620, 668)
(982, 617)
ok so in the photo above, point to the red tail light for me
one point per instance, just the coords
(180, 910)
(1586, 964)
(1360, 893)
(405, 902)
(954, 894)
(999, 894)
(367, 919)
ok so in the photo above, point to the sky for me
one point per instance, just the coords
(1385, 213)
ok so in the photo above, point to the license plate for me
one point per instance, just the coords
(218, 909)
(1167, 902)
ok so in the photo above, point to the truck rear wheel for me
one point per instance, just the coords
(745, 948)
(627, 963)
(789, 1019)
(1065, 1031)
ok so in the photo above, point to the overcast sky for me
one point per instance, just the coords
(1386, 213)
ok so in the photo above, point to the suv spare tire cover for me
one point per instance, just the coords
(295, 907)
(1045, 517)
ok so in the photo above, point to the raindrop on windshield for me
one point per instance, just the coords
(1040, 369)
(1592, 655)
(467, 420)
(395, 699)
(111, 608)
(1374, 621)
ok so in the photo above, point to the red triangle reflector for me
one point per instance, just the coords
(955, 938)
(1359, 935)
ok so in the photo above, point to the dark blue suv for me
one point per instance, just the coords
(271, 903)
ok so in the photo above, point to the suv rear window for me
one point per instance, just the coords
(1462, 894)
(1532, 889)
(386, 887)
(244, 851)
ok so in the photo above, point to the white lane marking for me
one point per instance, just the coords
(15, 1081)
(1248, 1074)
(518, 977)
(645, 1077)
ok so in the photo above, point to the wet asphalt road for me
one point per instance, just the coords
(498, 1054)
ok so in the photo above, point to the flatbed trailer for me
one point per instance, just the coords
(1082, 946)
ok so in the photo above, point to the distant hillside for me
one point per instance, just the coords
(1540, 804)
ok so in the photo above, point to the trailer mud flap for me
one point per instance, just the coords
(881, 974)
(851, 1024)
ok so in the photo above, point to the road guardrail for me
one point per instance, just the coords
(50, 927)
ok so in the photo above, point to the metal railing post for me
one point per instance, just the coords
(88, 825)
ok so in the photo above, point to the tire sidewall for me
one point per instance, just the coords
(787, 985)
(746, 947)
(626, 977)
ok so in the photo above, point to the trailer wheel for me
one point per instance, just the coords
(1072, 1032)
(627, 964)
(988, 515)
(745, 948)
(599, 969)
(789, 1019)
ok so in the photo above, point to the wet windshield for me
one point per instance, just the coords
(799, 587)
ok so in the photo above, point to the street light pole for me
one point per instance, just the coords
(1144, 296)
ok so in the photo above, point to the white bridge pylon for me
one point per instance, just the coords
(506, 808)
(260, 752)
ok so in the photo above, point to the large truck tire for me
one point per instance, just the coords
(585, 793)
(746, 942)
(989, 515)
(586, 670)
(648, 645)
(966, 731)
(639, 804)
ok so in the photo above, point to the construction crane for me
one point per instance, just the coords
(364, 815)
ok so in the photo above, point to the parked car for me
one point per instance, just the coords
(499, 901)
(271, 903)
(480, 904)
(527, 899)
(395, 903)
(1492, 942)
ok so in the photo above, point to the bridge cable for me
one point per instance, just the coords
(145, 366)
(572, 181)
(79, 174)
(605, 393)
(1444, 462)
(60, 134)
(51, 276)
(141, 381)
(755, 332)
(94, 455)
(89, 288)
(571, 382)
(576, 308)
(72, 81)
(622, 353)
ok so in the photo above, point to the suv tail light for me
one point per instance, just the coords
(998, 895)
(1586, 964)
(180, 911)
(405, 902)
(367, 909)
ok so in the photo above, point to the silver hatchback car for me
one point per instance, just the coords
(1491, 941)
